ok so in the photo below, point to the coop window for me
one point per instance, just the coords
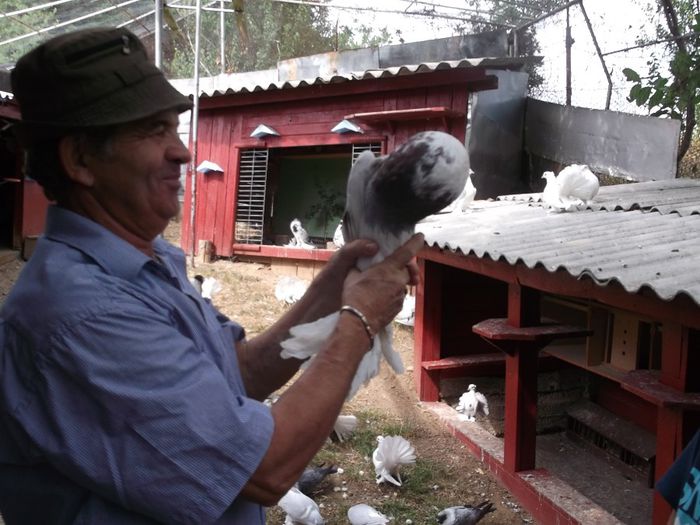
(357, 149)
(250, 200)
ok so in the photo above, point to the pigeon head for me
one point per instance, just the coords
(417, 179)
(471, 387)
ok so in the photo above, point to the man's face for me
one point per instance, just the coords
(136, 181)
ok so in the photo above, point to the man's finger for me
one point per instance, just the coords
(407, 251)
(353, 250)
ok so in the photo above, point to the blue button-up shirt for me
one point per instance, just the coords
(120, 394)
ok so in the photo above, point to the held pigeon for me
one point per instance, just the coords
(391, 453)
(363, 514)
(386, 197)
(574, 188)
(300, 509)
(344, 426)
(465, 514)
(313, 476)
(300, 237)
(472, 402)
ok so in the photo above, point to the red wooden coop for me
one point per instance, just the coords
(610, 296)
(286, 148)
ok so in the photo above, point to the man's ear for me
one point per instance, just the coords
(73, 159)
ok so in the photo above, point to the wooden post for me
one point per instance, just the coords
(520, 429)
(427, 328)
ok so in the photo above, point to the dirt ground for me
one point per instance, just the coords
(247, 296)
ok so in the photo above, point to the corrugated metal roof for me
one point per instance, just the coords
(641, 235)
(266, 80)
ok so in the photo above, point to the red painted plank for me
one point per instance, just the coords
(283, 252)
(519, 433)
(471, 79)
(501, 330)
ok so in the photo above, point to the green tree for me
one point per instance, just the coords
(16, 26)
(673, 92)
(258, 35)
(494, 14)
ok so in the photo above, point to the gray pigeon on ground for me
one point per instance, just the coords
(465, 514)
(313, 476)
(386, 197)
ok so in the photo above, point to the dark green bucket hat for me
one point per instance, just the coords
(89, 78)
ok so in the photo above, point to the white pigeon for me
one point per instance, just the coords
(338, 239)
(300, 238)
(206, 286)
(210, 287)
(391, 453)
(300, 509)
(344, 426)
(386, 197)
(363, 514)
(465, 514)
(472, 402)
(574, 188)
(461, 204)
(407, 315)
(290, 289)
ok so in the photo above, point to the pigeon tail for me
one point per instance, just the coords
(306, 340)
(344, 426)
(391, 453)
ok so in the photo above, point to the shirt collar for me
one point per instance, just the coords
(113, 253)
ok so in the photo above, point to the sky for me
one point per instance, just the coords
(616, 23)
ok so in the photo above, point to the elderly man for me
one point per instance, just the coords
(125, 397)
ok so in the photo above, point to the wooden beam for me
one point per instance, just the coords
(681, 309)
(473, 79)
(407, 114)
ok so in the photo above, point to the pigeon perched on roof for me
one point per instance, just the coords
(391, 453)
(386, 197)
(574, 188)
(300, 238)
(464, 514)
(472, 402)
(363, 514)
(344, 426)
(313, 476)
(300, 509)
(461, 204)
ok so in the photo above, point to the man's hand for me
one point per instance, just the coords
(378, 292)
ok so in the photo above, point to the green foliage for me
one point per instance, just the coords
(670, 94)
(261, 34)
(19, 25)
(510, 13)
(673, 92)
(329, 207)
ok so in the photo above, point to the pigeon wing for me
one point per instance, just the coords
(483, 403)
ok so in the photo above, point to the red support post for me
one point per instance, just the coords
(521, 408)
(427, 328)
